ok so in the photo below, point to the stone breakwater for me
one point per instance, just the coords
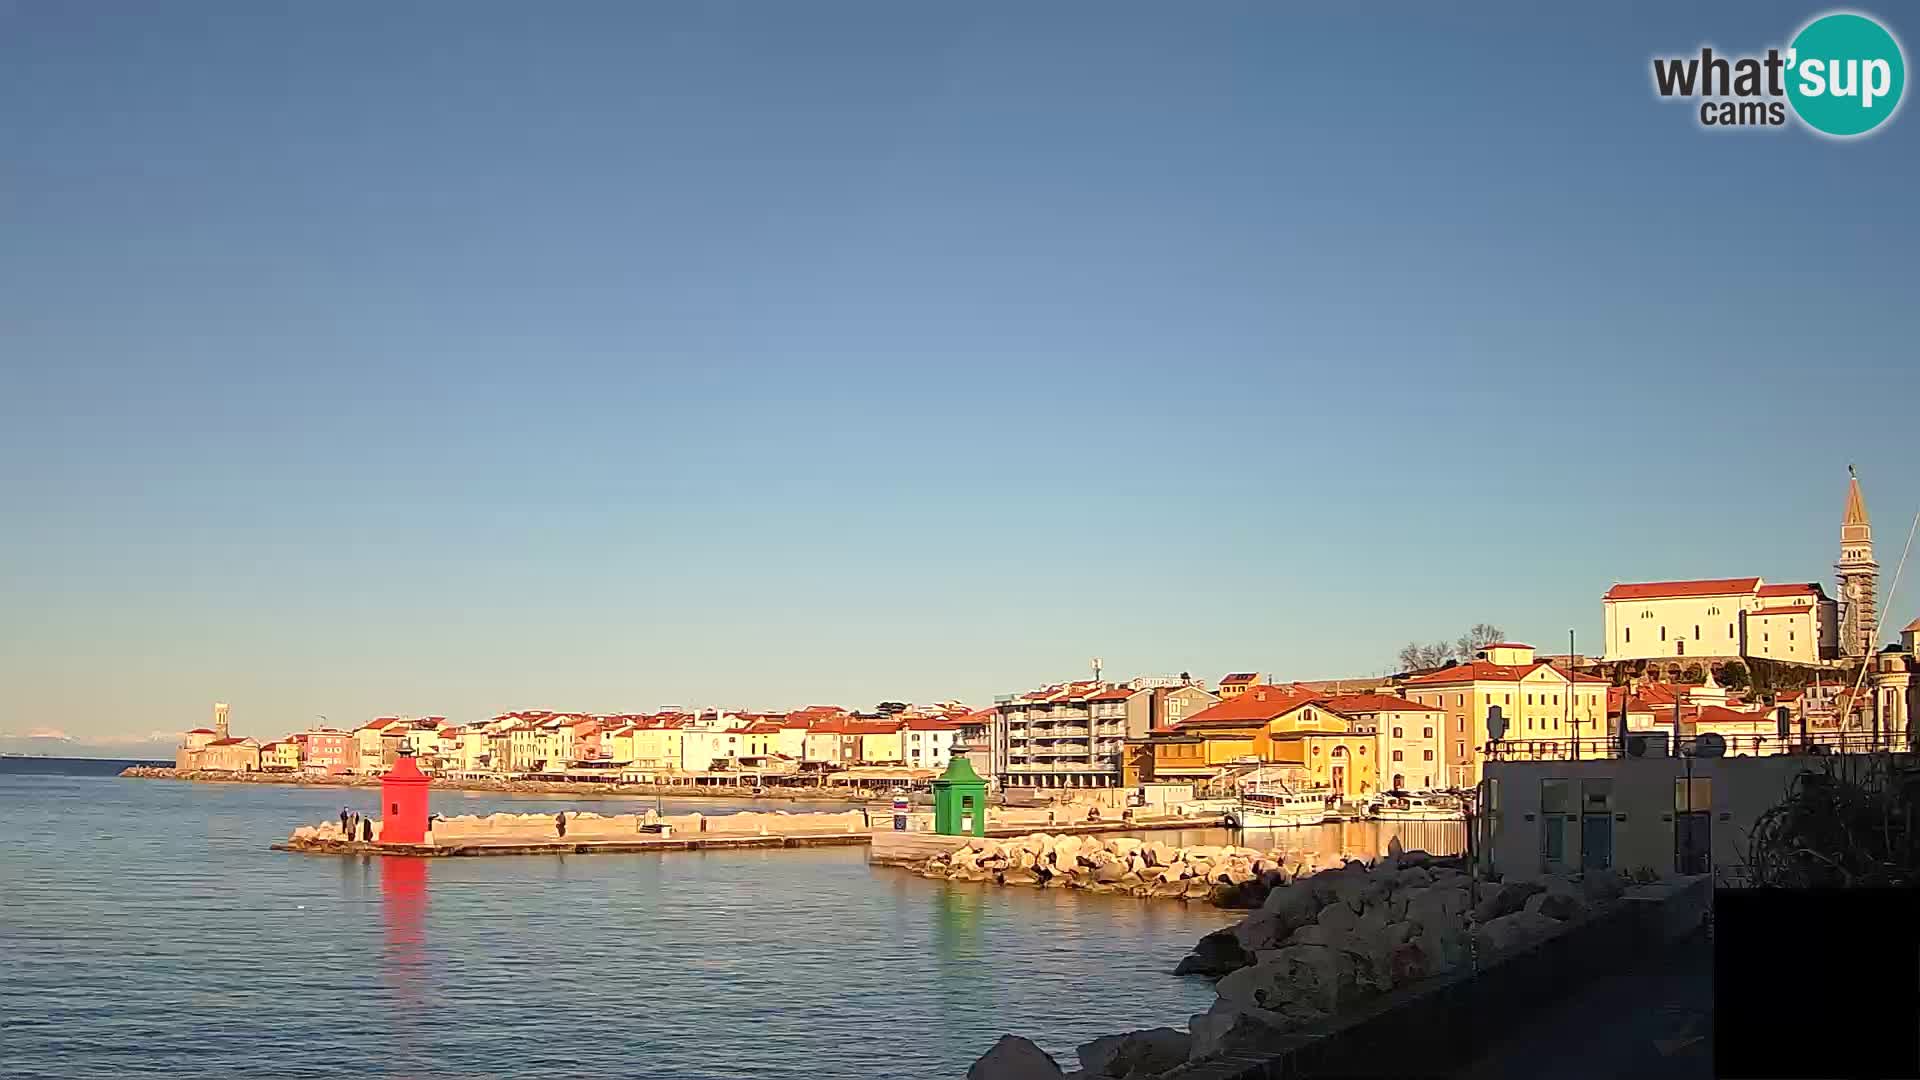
(519, 787)
(1226, 876)
(1321, 945)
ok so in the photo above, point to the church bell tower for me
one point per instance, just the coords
(1859, 575)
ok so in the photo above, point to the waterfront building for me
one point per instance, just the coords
(1232, 686)
(1076, 734)
(215, 749)
(1545, 707)
(658, 743)
(280, 756)
(1315, 747)
(326, 750)
(370, 751)
(929, 742)
(1406, 734)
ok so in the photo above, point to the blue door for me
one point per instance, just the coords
(1596, 841)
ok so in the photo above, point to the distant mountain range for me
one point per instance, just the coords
(155, 747)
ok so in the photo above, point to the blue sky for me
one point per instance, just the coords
(446, 358)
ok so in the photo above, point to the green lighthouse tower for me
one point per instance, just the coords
(960, 801)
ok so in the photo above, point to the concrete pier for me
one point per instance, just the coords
(636, 846)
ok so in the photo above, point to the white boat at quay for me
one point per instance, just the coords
(1403, 806)
(1278, 809)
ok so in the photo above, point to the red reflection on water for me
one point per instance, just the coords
(403, 906)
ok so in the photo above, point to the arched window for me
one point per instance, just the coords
(1663, 633)
(1696, 631)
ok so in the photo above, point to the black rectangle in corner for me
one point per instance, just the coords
(1816, 983)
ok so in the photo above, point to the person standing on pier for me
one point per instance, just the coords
(366, 829)
(353, 825)
(560, 824)
(344, 814)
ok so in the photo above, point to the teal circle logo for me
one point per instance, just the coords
(1845, 74)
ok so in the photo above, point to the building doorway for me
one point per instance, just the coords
(1399, 781)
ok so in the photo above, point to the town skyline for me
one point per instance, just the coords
(921, 361)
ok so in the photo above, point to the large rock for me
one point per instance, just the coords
(1516, 931)
(1014, 1058)
(1125, 845)
(1261, 930)
(1111, 871)
(1601, 886)
(1435, 906)
(1223, 1028)
(1157, 853)
(1503, 899)
(1557, 905)
(1020, 877)
(1216, 954)
(1137, 1053)
(1066, 850)
(1295, 981)
(1295, 904)
(1338, 917)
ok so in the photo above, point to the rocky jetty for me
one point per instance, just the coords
(1320, 944)
(1235, 877)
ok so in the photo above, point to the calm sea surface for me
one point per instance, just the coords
(145, 927)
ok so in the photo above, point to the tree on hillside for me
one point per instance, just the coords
(1413, 655)
(1477, 637)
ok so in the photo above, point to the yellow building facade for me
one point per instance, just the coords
(1545, 708)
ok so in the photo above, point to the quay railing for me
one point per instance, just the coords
(1661, 744)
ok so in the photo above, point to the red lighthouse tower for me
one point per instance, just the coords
(403, 797)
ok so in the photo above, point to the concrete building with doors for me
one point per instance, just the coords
(1671, 815)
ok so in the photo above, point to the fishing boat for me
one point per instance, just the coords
(1278, 809)
(1405, 806)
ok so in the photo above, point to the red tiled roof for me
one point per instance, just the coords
(1810, 588)
(927, 723)
(202, 731)
(1488, 671)
(1258, 704)
(1789, 609)
(1118, 693)
(226, 742)
(1239, 677)
(1662, 590)
(1365, 703)
(1717, 714)
(1507, 645)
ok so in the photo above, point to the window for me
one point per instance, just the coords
(1428, 754)
(1729, 630)
(1789, 635)
(1397, 733)
(1459, 699)
(1398, 756)
(1529, 699)
(1459, 723)
(1663, 633)
(1508, 700)
(1460, 750)
(1713, 611)
(1426, 733)
(1696, 631)
(1629, 633)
